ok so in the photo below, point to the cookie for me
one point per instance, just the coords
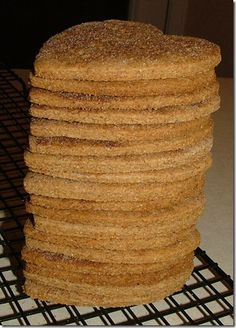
(81, 147)
(124, 281)
(74, 264)
(120, 50)
(76, 234)
(177, 173)
(177, 217)
(111, 238)
(125, 284)
(44, 185)
(149, 255)
(48, 292)
(126, 88)
(111, 132)
(117, 164)
(120, 144)
(142, 206)
(171, 114)
(75, 100)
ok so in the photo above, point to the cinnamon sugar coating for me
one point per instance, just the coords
(120, 144)
(123, 51)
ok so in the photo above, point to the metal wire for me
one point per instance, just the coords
(205, 299)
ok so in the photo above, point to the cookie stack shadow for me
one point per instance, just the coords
(117, 162)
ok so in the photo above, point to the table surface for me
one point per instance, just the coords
(216, 223)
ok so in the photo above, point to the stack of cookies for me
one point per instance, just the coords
(120, 144)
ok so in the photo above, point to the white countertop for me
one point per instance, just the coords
(216, 224)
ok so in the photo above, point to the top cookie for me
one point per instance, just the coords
(123, 51)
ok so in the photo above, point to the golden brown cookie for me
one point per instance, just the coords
(111, 132)
(177, 217)
(74, 264)
(198, 165)
(111, 233)
(44, 185)
(47, 292)
(120, 145)
(151, 205)
(108, 282)
(126, 88)
(75, 165)
(81, 147)
(111, 238)
(169, 114)
(75, 100)
(149, 255)
(124, 285)
(121, 50)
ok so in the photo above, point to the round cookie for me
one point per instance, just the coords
(124, 281)
(108, 132)
(178, 216)
(108, 239)
(37, 289)
(74, 264)
(121, 140)
(75, 100)
(142, 206)
(126, 88)
(40, 184)
(150, 255)
(171, 114)
(123, 285)
(45, 228)
(121, 50)
(81, 147)
(178, 173)
(117, 164)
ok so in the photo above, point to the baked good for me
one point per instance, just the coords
(48, 292)
(44, 185)
(123, 51)
(150, 255)
(177, 216)
(112, 132)
(75, 100)
(120, 144)
(167, 114)
(79, 236)
(117, 164)
(74, 264)
(178, 173)
(126, 88)
(82, 147)
(142, 206)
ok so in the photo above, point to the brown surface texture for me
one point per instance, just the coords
(116, 50)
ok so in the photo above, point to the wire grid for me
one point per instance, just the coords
(207, 298)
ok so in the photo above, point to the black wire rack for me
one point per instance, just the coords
(207, 298)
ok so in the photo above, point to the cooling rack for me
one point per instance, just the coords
(206, 299)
